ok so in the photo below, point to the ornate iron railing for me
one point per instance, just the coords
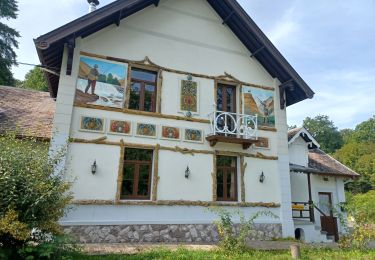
(233, 124)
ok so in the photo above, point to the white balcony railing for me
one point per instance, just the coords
(233, 124)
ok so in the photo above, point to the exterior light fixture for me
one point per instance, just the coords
(261, 177)
(187, 172)
(93, 167)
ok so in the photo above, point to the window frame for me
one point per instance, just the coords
(136, 173)
(231, 170)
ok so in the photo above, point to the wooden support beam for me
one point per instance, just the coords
(283, 86)
(118, 19)
(311, 203)
(71, 45)
(228, 17)
(156, 3)
(257, 51)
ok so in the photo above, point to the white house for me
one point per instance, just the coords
(172, 106)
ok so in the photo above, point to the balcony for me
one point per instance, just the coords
(235, 128)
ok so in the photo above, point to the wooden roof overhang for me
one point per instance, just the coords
(303, 169)
(50, 46)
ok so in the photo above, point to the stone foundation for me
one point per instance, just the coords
(186, 233)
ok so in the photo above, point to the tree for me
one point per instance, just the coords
(35, 79)
(365, 131)
(325, 132)
(8, 10)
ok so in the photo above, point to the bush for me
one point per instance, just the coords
(230, 239)
(33, 195)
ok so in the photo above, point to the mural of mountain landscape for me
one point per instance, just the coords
(261, 102)
(100, 82)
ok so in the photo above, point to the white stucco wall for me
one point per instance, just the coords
(298, 152)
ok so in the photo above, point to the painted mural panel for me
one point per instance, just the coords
(101, 82)
(146, 130)
(170, 132)
(259, 102)
(92, 124)
(189, 96)
(120, 127)
(193, 135)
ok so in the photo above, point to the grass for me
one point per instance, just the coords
(182, 254)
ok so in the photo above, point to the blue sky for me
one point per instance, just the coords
(331, 44)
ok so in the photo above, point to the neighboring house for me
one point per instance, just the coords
(317, 180)
(28, 113)
(171, 107)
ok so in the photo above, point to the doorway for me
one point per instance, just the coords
(327, 221)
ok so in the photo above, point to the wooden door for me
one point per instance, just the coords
(328, 222)
(226, 102)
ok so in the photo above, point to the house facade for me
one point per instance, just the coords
(168, 108)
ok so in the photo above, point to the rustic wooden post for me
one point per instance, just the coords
(295, 251)
(311, 203)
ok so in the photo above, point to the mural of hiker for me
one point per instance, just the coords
(101, 82)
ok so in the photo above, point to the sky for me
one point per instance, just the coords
(331, 44)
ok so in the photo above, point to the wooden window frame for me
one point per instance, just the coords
(225, 170)
(224, 101)
(156, 84)
(137, 164)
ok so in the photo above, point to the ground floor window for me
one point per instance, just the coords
(136, 181)
(226, 174)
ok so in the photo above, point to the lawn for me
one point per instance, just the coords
(182, 254)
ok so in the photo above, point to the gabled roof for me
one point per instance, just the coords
(28, 112)
(51, 45)
(302, 132)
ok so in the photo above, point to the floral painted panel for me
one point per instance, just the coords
(144, 129)
(193, 135)
(189, 96)
(259, 102)
(170, 132)
(120, 127)
(95, 124)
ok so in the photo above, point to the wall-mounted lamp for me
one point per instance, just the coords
(187, 172)
(261, 177)
(93, 167)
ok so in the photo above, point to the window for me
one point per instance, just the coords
(136, 181)
(226, 174)
(143, 90)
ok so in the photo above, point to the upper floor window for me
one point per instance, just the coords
(136, 181)
(143, 90)
(226, 174)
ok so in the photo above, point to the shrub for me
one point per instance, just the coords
(34, 195)
(230, 239)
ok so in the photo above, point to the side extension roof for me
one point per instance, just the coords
(50, 46)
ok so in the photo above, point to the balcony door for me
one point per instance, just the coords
(226, 102)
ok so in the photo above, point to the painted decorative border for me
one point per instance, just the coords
(162, 129)
(180, 80)
(120, 133)
(193, 129)
(87, 118)
(146, 127)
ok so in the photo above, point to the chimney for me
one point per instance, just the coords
(92, 5)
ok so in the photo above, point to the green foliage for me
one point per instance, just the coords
(325, 132)
(35, 79)
(232, 240)
(8, 36)
(33, 194)
(364, 132)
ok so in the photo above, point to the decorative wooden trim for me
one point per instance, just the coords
(258, 155)
(159, 91)
(127, 90)
(177, 203)
(120, 170)
(266, 128)
(156, 177)
(243, 168)
(214, 179)
(141, 113)
(149, 63)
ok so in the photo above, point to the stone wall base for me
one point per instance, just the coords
(168, 233)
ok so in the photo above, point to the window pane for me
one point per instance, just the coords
(231, 186)
(219, 101)
(144, 75)
(228, 161)
(144, 172)
(149, 103)
(135, 91)
(219, 179)
(129, 172)
(127, 188)
(133, 154)
(230, 99)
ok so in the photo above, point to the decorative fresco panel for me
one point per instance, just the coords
(259, 102)
(101, 82)
(263, 142)
(144, 129)
(120, 127)
(189, 96)
(169, 132)
(193, 135)
(94, 124)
